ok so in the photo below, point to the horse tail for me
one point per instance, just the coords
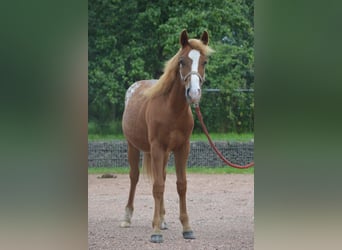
(147, 167)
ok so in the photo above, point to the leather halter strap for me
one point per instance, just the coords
(184, 78)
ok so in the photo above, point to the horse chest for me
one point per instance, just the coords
(176, 139)
(174, 133)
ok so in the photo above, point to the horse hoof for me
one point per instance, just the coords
(189, 235)
(163, 226)
(156, 238)
(125, 224)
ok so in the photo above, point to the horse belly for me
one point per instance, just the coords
(135, 133)
(133, 121)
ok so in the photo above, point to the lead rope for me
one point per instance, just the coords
(227, 162)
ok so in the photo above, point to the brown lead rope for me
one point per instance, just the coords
(199, 115)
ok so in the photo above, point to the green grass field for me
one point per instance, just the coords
(194, 137)
(108, 134)
(171, 170)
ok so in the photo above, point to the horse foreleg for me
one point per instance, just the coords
(181, 156)
(163, 225)
(133, 159)
(157, 157)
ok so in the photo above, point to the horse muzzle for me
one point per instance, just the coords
(193, 87)
(193, 94)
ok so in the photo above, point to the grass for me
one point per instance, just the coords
(171, 170)
(223, 137)
(113, 132)
(105, 137)
(194, 137)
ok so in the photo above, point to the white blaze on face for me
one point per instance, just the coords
(195, 90)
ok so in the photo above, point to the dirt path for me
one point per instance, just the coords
(220, 207)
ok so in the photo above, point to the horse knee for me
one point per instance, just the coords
(183, 217)
(181, 187)
(158, 190)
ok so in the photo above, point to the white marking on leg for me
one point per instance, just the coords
(127, 219)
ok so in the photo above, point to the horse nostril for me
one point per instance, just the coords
(199, 91)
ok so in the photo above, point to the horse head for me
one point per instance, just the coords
(192, 61)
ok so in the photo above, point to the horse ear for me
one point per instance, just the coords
(205, 38)
(184, 38)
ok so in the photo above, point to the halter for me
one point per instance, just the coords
(188, 85)
(184, 78)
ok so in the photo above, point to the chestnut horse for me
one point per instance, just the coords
(158, 120)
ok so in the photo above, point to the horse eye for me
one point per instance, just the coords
(181, 62)
(204, 63)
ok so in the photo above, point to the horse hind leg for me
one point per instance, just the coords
(163, 225)
(157, 160)
(148, 169)
(133, 159)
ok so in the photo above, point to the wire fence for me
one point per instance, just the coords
(114, 154)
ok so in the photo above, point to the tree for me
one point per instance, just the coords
(130, 40)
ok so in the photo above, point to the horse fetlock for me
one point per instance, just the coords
(163, 225)
(127, 219)
(128, 213)
(156, 225)
(125, 224)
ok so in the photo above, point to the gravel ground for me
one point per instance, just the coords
(220, 208)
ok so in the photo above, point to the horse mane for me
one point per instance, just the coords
(164, 84)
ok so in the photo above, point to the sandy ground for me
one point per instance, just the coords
(220, 208)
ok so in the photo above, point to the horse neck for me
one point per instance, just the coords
(176, 100)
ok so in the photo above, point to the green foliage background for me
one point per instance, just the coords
(131, 40)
